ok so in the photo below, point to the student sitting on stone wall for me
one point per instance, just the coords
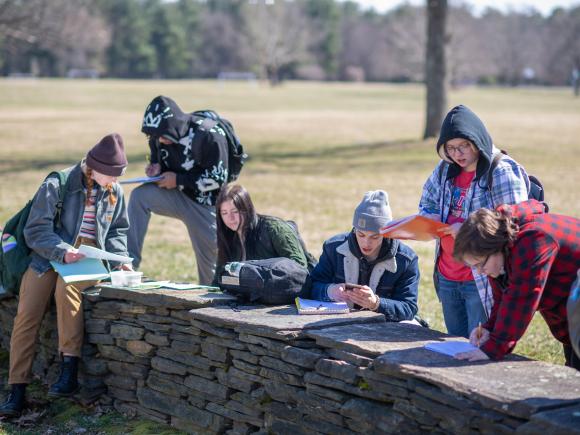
(243, 235)
(93, 213)
(385, 270)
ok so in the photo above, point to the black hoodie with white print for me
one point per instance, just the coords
(199, 157)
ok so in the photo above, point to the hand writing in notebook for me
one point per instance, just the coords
(478, 336)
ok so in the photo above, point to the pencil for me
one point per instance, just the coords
(478, 333)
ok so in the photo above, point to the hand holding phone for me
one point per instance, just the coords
(350, 287)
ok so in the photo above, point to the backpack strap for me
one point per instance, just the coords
(494, 163)
(62, 181)
(440, 173)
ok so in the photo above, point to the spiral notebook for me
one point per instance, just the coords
(309, 306)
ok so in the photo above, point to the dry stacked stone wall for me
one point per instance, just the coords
(204, 364)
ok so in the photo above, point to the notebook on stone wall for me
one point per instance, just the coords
(309, 306)
(450, 348)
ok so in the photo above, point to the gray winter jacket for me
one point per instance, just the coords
(49, 243)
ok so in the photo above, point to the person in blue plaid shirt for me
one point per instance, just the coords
(456, 188)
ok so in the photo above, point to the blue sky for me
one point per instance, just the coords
(544, 6)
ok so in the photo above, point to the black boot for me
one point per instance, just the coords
(15, 403)
(67, 383)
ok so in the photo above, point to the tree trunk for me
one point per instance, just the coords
(436, 66)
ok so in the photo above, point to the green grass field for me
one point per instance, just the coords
(314, 150)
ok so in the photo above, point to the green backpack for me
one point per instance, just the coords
(15, 254)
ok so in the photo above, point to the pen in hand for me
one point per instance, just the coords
(478, 333)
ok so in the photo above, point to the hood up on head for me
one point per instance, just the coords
(163, 117)
(461, 122)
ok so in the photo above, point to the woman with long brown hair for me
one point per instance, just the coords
(531, 258)
(243, 234)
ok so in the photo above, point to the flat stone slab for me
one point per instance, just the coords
(373, 340)
(281, 322)
(167, 298)
(563, 421)
(516, 385)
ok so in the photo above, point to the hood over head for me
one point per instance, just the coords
(163, 117)
(461, 122)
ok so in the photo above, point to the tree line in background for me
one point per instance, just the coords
(281, 39)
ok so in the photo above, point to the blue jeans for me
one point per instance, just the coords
(462, 306)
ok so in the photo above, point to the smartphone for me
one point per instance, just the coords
(350, 287)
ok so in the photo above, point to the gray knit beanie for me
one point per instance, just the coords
(373, 213)
(108, 156)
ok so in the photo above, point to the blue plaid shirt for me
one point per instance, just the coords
(510, 186)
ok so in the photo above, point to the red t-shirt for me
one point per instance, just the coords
(448, 267)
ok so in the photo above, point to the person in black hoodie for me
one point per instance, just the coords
(193, 164)
(385, 271)
(456, 188)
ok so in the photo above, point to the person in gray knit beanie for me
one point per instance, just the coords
(367, 270)
(373, 213)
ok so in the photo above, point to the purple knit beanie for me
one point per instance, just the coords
(108, 156)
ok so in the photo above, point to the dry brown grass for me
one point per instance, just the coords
(315, 149)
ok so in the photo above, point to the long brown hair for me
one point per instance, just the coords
(227, 238)
(485, 232)
(90, 182)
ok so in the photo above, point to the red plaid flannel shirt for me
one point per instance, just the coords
(541, 267)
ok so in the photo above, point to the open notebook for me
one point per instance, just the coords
(309, 306)
(450, 348)
(413, 227)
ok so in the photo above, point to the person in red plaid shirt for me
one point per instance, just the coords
(531, 258)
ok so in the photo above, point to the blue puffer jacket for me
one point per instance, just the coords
(49, 243)
(395, 280)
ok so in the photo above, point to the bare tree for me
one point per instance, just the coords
(19, 19)
(563, 57)
(278, 33)
(225, 47)
(52, 36)
(406, 35)
(436, 65)
(514, 42)
(468, 57)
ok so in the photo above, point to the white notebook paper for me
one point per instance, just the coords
(309, 306)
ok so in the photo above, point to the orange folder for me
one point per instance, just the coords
(413, 227)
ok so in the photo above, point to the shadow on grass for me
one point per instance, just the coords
(12, 165)
(266, 154)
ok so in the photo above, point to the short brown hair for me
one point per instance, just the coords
(485, 232)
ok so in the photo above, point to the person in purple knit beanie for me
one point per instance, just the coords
(91, 211)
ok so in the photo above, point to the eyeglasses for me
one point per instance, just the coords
(449, 149)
